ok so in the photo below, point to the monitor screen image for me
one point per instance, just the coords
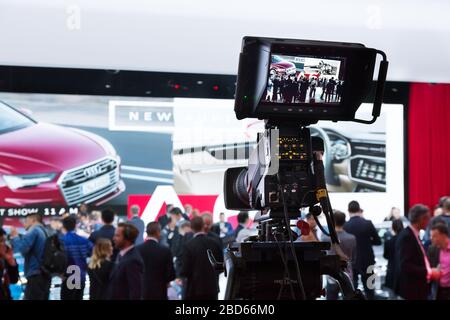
(304, 80)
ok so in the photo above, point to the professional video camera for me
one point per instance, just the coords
(292, 84)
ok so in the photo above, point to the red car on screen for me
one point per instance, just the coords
(48, 165)
(281, 66)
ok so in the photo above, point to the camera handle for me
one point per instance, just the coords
(341, 277)
(218, 266)
(346, 285)
(381, 80)
(322, 194)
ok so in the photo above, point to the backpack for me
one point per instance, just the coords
(54, 260)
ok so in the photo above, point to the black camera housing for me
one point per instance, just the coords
(286, 172)
(254, 65)
(256, 187)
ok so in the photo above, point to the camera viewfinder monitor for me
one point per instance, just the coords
(302, 80)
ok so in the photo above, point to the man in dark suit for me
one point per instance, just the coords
(366, 236)
(242, 219)
(107, 230)
(277, 84)
(138, 223)
(412, 265)
(439, 255)
(165, 219)
(158, 265)
(126, 277)
(207, 226)
(348, 246)
(389, 253)
(222, 228)
(443, 218)
(186, 234)
(170, 235)
(202, 279)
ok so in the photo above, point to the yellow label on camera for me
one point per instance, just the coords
(321, 193)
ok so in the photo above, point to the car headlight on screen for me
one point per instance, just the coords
(2, 181)
(29, 180)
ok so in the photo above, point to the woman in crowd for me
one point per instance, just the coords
(99, 269)
(9, 272)
(389, 253)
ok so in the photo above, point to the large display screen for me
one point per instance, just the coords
(304, 80)
(362, 162)
(58, 151)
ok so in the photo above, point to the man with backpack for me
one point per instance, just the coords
(78, 250)
(32, 247)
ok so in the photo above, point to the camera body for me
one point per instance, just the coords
(282, 158)
(292, 84)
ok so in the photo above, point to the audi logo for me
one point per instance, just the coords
(92, 171)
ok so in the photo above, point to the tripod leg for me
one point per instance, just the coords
(346, 285)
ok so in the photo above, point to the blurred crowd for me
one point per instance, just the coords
(122, 258)
(169, 258)
(416, 247)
